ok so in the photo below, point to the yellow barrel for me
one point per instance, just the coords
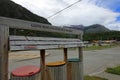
(56, 70)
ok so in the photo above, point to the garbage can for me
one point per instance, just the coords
(29, 72)
(56, 70)
(73, 69)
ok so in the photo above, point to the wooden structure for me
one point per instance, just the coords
(12, 43)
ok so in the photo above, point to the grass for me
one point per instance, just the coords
(93, 78)
(114, 70)
(99, 47)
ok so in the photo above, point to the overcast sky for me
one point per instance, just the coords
(86, 12)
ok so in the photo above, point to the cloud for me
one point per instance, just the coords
(86, 12)
(114, 26)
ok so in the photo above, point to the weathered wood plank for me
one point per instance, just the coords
(35, 43)
(15, 23)
(31, 47)
(4, 32)
(23, 38)
(41, 43)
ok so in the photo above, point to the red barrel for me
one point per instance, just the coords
(29, 72)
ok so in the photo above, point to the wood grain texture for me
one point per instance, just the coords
(37, 43)
(42, 64)
(65, 54)
(4, 33)
(21, 24)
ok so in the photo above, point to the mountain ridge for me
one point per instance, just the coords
(95, 28)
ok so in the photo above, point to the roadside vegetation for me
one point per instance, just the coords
(114, 70)
(100, 47)
(111, 35)
(93, 78)
(97, 47)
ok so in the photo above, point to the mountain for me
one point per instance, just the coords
(95, 28)
(78, 27)
(90, 29)
(13, 10)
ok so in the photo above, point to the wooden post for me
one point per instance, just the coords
(42, 64)
(65, 55)
(69, 77)
(80, 51)
(68, 65)
(4, 33)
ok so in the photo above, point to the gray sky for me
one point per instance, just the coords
(86, 12)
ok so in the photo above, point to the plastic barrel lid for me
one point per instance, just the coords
(23, 71)
(73, 60)
(53, 64)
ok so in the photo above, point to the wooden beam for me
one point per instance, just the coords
(4, 33)
(42, 64)
(22, 24)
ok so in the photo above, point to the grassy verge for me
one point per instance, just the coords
(99, 47)
(96, 47)
(93, 78)
(114, 70)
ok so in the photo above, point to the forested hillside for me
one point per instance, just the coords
(102, 36)
(95, 28)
